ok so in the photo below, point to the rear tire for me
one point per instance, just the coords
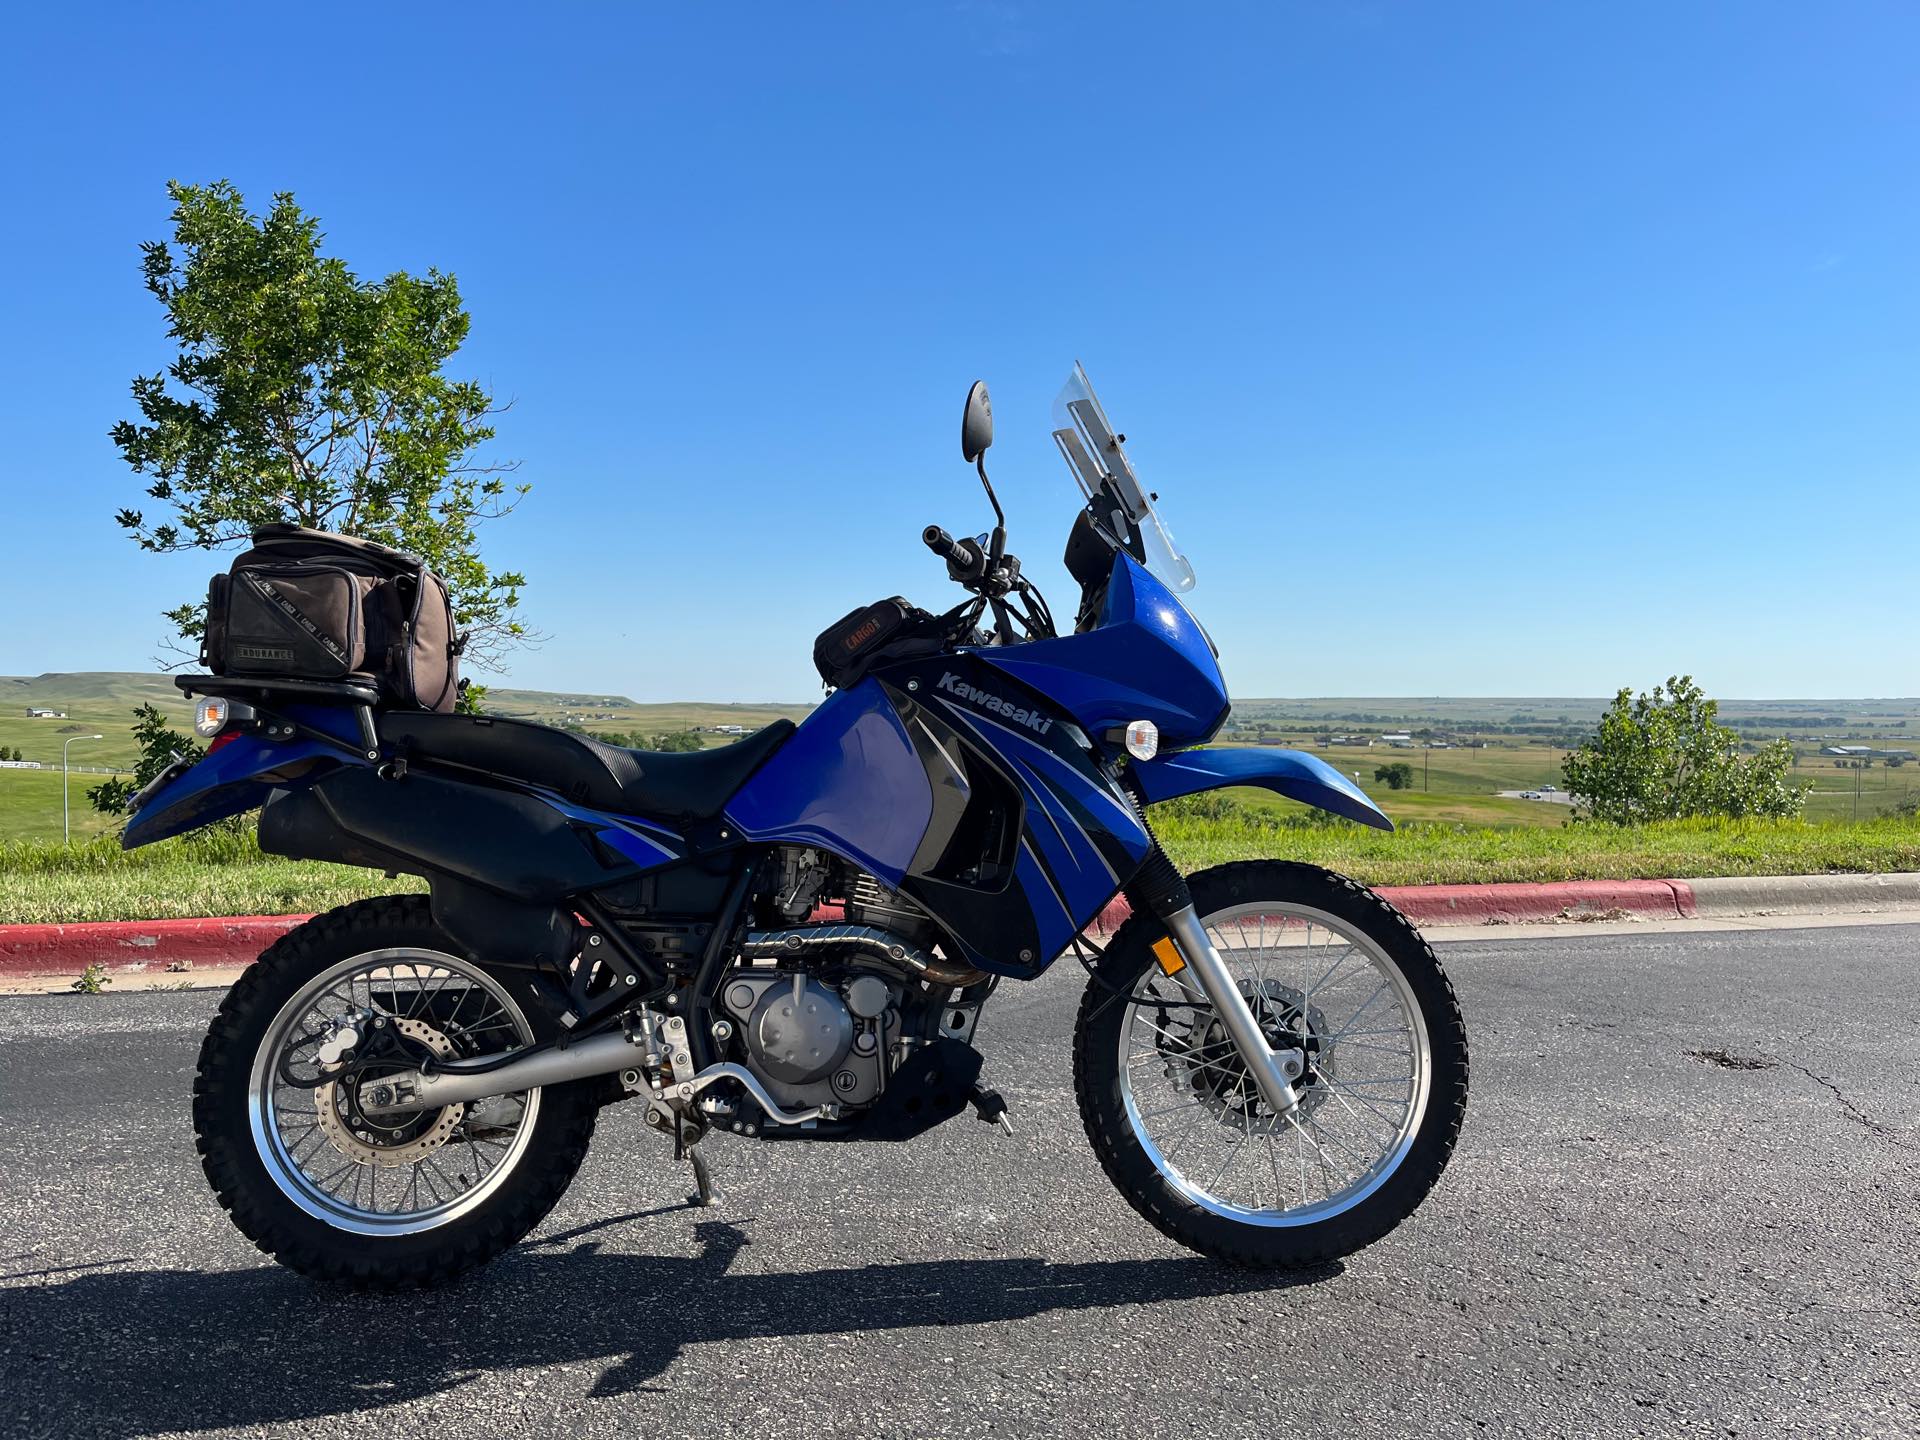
(1223, 1103)
(231, 1149)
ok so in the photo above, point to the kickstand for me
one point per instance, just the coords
(992, 1109)
(704, 1196)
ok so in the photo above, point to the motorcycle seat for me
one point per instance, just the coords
(682, 787)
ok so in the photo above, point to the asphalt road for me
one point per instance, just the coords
(1631, 1241)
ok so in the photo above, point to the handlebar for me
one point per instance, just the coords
(965, 560)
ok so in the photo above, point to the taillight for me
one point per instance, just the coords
(220, 740)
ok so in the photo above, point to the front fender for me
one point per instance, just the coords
(1292, 773)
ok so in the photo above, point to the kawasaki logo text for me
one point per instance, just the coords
(1019, 715)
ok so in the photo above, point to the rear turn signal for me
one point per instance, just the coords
(209, 717)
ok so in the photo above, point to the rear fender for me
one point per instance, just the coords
(228, 781)
(1291, 773)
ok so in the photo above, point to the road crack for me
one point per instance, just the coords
(1729, 1060)
(1853, 1112)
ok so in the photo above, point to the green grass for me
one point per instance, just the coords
(217, 872)
(224, 873)
(1209, 831)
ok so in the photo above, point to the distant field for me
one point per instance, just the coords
(30, 805)
(96, 702)
(1455, 786)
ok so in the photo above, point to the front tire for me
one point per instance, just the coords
(300, 1168)
(1328, 966)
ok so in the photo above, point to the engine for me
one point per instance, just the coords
(815, 1036)
(824, 1009)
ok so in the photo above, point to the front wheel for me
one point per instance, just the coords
(1326, 966)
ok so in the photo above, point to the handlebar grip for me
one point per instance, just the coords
(962, 556)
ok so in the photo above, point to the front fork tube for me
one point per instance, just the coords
(1273, 1071)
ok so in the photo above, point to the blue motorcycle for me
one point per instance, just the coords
(792, 937)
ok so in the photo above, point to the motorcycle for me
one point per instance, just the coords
(793, 936)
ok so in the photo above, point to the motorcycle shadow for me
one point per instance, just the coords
(182, 1350)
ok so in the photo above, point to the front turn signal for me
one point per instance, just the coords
(1143, 740)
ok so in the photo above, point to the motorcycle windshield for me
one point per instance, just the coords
(1122, 505)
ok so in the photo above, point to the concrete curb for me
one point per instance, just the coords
(135, 945)
(1806, 894)
(1517, 904)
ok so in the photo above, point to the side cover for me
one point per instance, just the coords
(965, 790)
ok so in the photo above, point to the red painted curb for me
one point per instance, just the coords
(147, 944)
(237, 940)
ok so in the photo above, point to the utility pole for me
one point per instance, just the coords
(66, 811)
(1426, 759)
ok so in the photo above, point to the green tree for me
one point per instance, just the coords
(1397, 776)
(676, 740)
(159, 746)
(1663, 756)
(303, 393)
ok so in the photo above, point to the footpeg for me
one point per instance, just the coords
(991, 1107)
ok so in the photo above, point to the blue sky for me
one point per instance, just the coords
(1474, 349)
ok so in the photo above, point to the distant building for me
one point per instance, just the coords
(35, 712)
(1399, 742)
(730, 730)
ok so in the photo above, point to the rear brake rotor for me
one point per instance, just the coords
(392, 1141)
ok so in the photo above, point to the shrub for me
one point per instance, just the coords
(1663, 756)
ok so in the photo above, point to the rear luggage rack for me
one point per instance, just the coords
(318, 691)
(274, 692)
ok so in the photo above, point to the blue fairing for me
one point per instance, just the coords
(236, 778)
(848, 781)
(1146, 660)
(1292, 773)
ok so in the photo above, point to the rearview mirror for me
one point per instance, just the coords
(976, 426)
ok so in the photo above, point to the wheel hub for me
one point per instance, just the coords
(390, 1141)
(1219, 1076)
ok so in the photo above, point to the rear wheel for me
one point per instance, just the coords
(1328, 967)
(377, 1200)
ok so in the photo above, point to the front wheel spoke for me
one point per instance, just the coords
(1335, 1089)
(1339, 960)
(1352, 1019)
(1400, 1051)
(1309, 1135)
(1233, 1152)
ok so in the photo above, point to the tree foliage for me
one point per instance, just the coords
(1663, 756)
(676, 740)
(159, 746)
(1397, 776)
(302, 393)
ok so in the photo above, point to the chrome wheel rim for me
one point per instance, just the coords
(406, 1174)
(1315, 981)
